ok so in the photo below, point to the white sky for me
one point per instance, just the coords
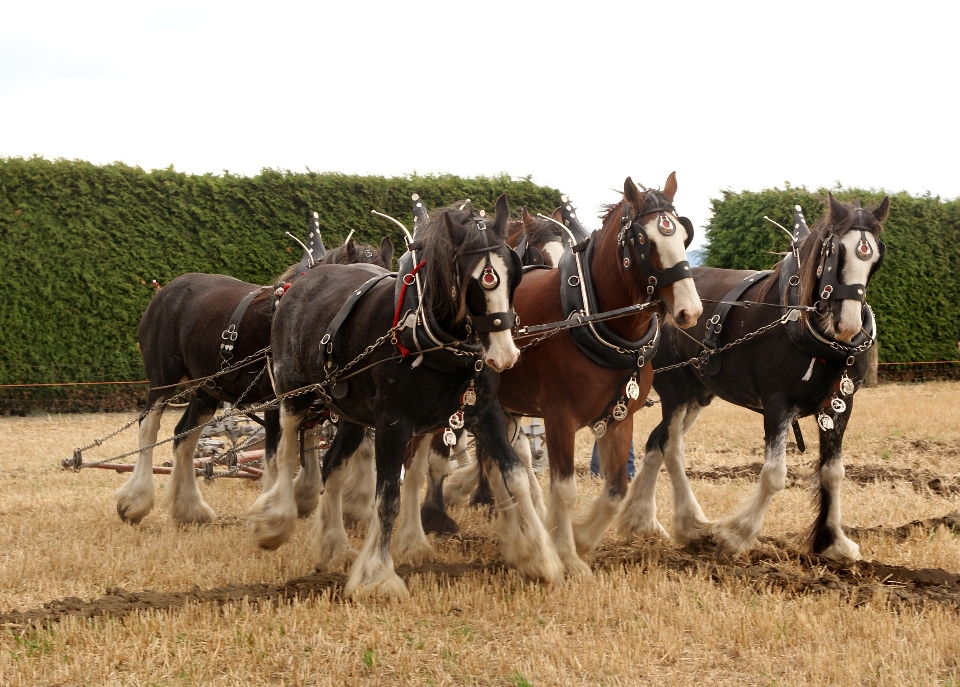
(729, 94)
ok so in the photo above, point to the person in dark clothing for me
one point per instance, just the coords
(595, 462)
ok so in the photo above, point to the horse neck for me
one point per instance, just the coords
(615, 286)
(513, 234)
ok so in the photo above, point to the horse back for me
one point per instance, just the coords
(186, 319)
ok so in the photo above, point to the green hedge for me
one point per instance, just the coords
(916, 294)
(80, 243)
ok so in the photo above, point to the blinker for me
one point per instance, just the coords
(666, 225)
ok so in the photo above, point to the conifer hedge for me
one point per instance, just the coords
(915, 295)
(80, 244)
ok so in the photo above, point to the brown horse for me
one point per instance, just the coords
(801, 366)
(180, 339)
(566, 386)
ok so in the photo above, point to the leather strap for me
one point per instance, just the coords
(228, 339)
(711, 337)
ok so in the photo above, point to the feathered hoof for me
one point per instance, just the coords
(843, 550)
(574, 566)
(198, 513)
(628, 530)
(383, 583)
(132, 508)
(731, 541)
(272, 521)
(339, 561)
(694, 533)
(414, 552)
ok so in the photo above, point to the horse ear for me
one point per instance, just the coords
(632, 193)
(838, 213)
(386, 252)
(557, 215)
(670, 188)
(451, 228)
(351, 249)
(882, 210)
(502, 216)
(527, 219)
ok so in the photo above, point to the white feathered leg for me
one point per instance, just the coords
(409, 540)
(182, 497)
(135, 497)
(273, 516)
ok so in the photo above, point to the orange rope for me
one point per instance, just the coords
(20, 386)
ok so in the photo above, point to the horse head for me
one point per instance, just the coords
(477, 293)
(541, 237)
(351, 253)
(655, 237)
(838, 259)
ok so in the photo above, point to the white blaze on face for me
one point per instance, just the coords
(502, 353)
(685, 308)
(553, 250)
(855, 271)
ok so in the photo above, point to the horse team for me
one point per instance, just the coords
(421, 355)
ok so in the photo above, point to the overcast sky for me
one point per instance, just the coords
(729, 94)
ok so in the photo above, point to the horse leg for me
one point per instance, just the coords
(307, 486)
(359, 495)
(433, 513)
(373, 571)
(332, 544)
(271, 428)
(464, 479)
(613, 448)
(736, 532)
(483, 494)
(690, 525)
(563, 492)
(273, 516)
(827, 537)
(411, 543)
(524, 541)
(521, 445)
(135, 497)
(639, 515)
(182, 496)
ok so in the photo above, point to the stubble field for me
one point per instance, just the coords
(85, 599)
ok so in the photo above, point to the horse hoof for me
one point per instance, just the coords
(122, 511)
(437, 522)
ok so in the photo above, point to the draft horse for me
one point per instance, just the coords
(333, 339)
(805, 364)
(597, 375)
(195, 326)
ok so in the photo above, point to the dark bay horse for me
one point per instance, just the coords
(802, 366)
(569, 389)
(468, 279)
(538, 241)
(180, 339)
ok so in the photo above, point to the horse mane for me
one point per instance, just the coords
(809, 250)
(347, 254)
(542, 231)
(440, 281)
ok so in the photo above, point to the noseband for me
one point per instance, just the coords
(633, 239)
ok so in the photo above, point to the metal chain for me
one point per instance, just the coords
(197, 383)
(746, 337)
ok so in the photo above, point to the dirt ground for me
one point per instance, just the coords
(86, 599)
